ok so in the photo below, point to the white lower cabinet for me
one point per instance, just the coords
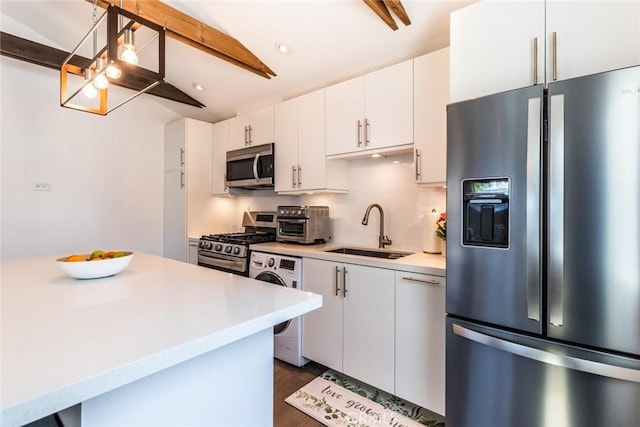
(420, 339)
(353, 332)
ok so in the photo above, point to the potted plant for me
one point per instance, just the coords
(441, 231)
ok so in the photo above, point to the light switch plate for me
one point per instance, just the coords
(41, 186)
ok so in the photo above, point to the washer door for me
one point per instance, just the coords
(267, 276)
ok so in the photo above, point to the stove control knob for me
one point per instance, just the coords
(236, 250)
(228, 249)
(271, 262)
(201, 245)
(218, 247)
(205, 245)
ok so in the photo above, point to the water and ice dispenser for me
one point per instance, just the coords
(485, 212)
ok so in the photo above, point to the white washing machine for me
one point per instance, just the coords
(282, 271)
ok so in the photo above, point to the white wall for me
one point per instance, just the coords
(106, 173)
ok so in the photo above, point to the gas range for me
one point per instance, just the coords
(236, 244)
(230, 251)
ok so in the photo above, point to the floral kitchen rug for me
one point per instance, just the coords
(337, 400)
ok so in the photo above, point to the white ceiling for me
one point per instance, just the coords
(332, 40)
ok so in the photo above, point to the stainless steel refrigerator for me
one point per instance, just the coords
(543, 255)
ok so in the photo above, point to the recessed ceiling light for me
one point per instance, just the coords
(376, 155)
(283, 49)
(197, 86)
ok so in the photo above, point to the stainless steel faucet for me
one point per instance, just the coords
(382, 239)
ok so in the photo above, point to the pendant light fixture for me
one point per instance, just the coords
(83, 79)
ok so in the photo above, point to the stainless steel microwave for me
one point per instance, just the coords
(251, 168)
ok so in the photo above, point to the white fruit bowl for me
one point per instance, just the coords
(94, 269)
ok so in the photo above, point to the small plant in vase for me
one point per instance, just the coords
(441, 231)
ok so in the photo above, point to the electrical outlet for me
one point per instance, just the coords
(41, 186)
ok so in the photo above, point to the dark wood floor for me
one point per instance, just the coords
(287, 379)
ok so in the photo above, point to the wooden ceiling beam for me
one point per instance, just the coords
(397, 8)
(381, 10)
(192, 32)
(49, 57)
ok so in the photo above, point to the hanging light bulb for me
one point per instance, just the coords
(113, 72)
(129, 53)
(101, 81)
(89, 90)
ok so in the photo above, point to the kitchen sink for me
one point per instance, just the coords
(375, 253)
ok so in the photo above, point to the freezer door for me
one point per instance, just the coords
(496, 378)
(594, 210)
(494, 209)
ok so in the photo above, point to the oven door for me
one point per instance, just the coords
(229, 264)
(250, 167)
(292, 230)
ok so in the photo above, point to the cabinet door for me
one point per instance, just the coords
(174, 145)
(431, 96)
(219, 157)
(238, 133)
(322, 328)
(175, 218)
(261, 126)
(420, 340)
(312, 164)
(492, 47)
(592, 37)
(388, 107)
(368, 344)
(286, 145)
(345, 116)
(198, 178)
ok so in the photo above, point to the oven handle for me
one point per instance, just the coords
(230, 263)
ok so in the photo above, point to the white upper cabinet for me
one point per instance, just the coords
(499, 46)
(492, 47)
(219, 158)
(431, 96)
(301, 163)
(591, 37)
(371, 112)
(251, 129)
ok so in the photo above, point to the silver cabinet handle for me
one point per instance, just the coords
(533, 208)
(554, 55)
(555, 230)
(427, 281)
(337, 281)
(182, 157)
(293, 176)
(417, 165)
(181, 179)
(367, 132)
(359, 134)
(226, 187)
(535, 60)
(250, 135)
(344, 282)
(568, 362)
(246, 136)
(255, 166)
(299, 176)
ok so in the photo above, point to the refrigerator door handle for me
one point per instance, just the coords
(563, 361)
(533, 208)
(556, 211)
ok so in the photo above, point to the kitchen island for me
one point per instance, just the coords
(161, 343)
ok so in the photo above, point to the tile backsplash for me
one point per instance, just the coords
(387, 181)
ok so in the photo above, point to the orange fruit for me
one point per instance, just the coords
(75, 258)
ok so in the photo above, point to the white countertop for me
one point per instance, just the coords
(418, 262)
(66, 340)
